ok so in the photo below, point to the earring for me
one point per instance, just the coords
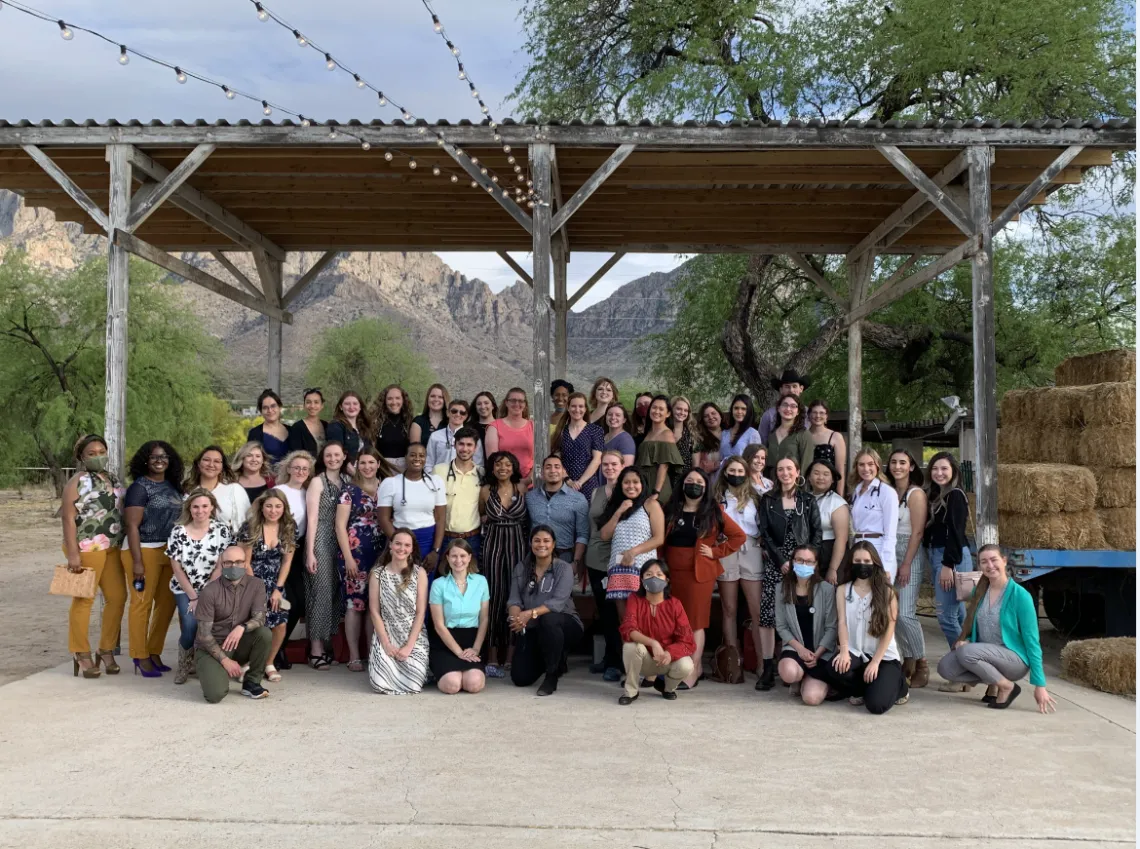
(800, 481)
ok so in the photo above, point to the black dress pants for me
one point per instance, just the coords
(540, 649)
(607, 619)
(880, 695)
(295, 588)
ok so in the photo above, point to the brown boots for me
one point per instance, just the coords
(916, 671)
(185, 665)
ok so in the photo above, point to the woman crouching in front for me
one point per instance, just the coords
(867, 667)
(807, 624)
(460, 600)
(657, 636)
(1000, 642)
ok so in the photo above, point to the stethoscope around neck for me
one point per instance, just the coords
(424, 477)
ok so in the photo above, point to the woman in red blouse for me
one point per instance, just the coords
(657, 636)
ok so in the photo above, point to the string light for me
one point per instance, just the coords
(383, 99)
(438, 26)
(266, 108)
(454, 178)
(301, 40)
(388, 155)
(359, 82)
(228, 92)
(364, 145)
(305, 122)
(123, 57)
(65, 31)
(262, 15)
(332, 132)
(435, 170)
(412, 164)
(329, 63)
(180, 75)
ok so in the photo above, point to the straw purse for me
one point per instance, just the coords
(75, 584)
(964, 583)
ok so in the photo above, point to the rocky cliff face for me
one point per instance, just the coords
(474, 338)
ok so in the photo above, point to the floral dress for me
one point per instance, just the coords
(266, 563)
(198, 557)
(366, 542)
(98, 516)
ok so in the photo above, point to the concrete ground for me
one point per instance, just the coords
(122, 762)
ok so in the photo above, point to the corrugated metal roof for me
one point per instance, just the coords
(974, 123)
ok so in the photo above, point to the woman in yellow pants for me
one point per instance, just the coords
(92, 537)
(150, 508)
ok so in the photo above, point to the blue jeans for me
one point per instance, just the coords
(951, 613)
(187, 622)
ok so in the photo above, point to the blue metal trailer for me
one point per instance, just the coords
(1084, 593)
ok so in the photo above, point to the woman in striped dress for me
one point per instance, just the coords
(397, 604)
(502, 509)
(323, 602)
(635, 528)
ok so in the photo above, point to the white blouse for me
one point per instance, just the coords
(745, 518)
(296, 499)
(859, 642)
(233, 505)
(828, 503)
(875, 510)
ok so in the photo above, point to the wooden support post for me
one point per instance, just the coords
(518, 269)
(151, 197)
(272, 271)
(70, 188)
(118, 293)
(858, 278)
(308, 277)
(539, 158)
(985, 349)
(237, 273)
(561, 308)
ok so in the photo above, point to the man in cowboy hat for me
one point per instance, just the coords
(791, 382)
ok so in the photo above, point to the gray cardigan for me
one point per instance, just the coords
(825, 619)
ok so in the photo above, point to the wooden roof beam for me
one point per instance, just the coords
(518, 269)
(594, 278)
(203, 208)
(237, 273)
(308, 277)
(1024, 199)
(816, 277)
(936, 194)
(68, 185)
(499, 193)
(174, 265)
(591, 185)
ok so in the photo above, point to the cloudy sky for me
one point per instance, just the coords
(391, 43)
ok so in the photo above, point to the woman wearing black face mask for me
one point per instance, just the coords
(658, 639)
(697, 535)
(867, 667)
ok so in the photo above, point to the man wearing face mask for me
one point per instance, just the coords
(231, 630)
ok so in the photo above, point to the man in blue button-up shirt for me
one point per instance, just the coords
(563, 509)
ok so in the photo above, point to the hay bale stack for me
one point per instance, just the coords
(1046, 405)
(1024, 443)
(1116, 366)
(1118, 524)
(1107, 445)
(1034, 488)
(1108, 665)
(1104, 403)
(1065, 531)
(1115, 487)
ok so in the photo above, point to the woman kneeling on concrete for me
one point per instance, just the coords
(867, 667)
(460, 599)
(659, 643)
(807, 624)
(1000, 642)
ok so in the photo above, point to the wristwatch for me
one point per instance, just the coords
(280, 589)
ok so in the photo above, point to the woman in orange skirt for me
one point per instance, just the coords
(697, 535)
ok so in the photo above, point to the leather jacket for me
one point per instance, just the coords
(806, 526)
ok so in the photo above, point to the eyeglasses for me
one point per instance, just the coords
(457, 412)
(312, 390)
(232, 563)
(516, 400)
(154, 457)
(270, 407)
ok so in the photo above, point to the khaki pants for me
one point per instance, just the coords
(108, 569)
(639, 662)
(152, 610)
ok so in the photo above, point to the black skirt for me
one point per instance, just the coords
(811, 671)
(443, 660)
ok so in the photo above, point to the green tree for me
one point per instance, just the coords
(52, 335)
(366, 355)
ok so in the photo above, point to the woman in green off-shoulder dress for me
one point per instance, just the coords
(657, 456)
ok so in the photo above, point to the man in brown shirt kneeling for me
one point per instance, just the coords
(231, 630)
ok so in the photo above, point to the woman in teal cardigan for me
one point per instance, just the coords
(1004, 643)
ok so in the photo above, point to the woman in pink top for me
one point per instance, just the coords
(513, 431)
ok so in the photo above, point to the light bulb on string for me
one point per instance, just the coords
(422, 131)
(332, 132)
(530, 204)
(413, 164)
(518, 169)
(475, 93)
(510, 160)
(506, 148)
(359, 82)
(65, 31)
(454, 50)
(179, 75)
(484, 109)
(483, 171)
(494, 178)
(330, 63)
(440, 141)
(474, 184)
(455, 178)
(305, 122)
(388, 156)
(435, 170)
(123, 57)
(462, 72)
(262, 15)
(474, 160)
(490, 190)
(519, 177)
(301, 40)
(266, 108)
(436, 25)
(228, 92)
(407, 115)
(365, 145)
(498, 138)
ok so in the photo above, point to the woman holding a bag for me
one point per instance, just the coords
(946, 543)
(92, 539)
(1000, 641)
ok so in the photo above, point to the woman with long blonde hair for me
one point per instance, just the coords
(397, 605)
(252, 471)
(269, 540)
(874, 508)
(603, 393)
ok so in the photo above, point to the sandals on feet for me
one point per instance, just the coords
(271, 674)
(356, 665)
(320, 661)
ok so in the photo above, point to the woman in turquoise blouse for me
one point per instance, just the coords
(460, 599)
(1003, 643)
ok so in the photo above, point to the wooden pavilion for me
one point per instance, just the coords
(816, 187)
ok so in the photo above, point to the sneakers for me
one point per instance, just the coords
(254, 691)
(611, 674)
(493, 671)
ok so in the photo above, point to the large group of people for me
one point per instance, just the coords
(428, 538)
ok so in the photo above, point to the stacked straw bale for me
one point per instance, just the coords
(1068, 457)
(1108, 665)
